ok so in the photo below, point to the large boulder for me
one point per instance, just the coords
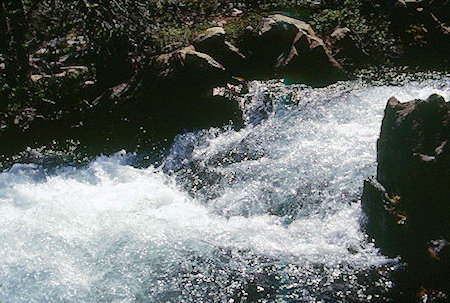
(413, 144)
(276, 39)
(184, 71)
(213, 43)
(311, 62)
(289, 48)
(171, 94)
(413, 154)
(213, 35)
(346, 48)
(408, 204)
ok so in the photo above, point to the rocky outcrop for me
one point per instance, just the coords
(289, 48)
(185, 71)
(346, 49)
(408, 204)
(431, 14)
(413, 144)
(284, 48)
(213, 43)
(414, 160)
(308, 59)
(173, 92)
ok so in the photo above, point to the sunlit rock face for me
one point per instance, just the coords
(266, 212)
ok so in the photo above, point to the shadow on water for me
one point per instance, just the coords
(146, 129)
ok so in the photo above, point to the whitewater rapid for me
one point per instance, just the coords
(266, 213)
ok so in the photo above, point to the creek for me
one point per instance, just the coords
(267, 213)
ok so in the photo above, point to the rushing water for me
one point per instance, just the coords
(268, 213)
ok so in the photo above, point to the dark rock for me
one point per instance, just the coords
(407, 206)
(249, 40)
(113, 63)
(213, 43)
(422, 26)
(213, 35)
(345, 46)
(440, 250)
(437, 265)
(30, 128)
(413, 159)
(411, 134)
(171, 94)
(310, 61)
(276, 39)
(289, 48)
(182, 72)
(382, 220)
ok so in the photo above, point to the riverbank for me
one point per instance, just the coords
(75, 71)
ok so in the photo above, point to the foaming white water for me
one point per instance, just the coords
(312, 154)
(260, 213)
(111, 231)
